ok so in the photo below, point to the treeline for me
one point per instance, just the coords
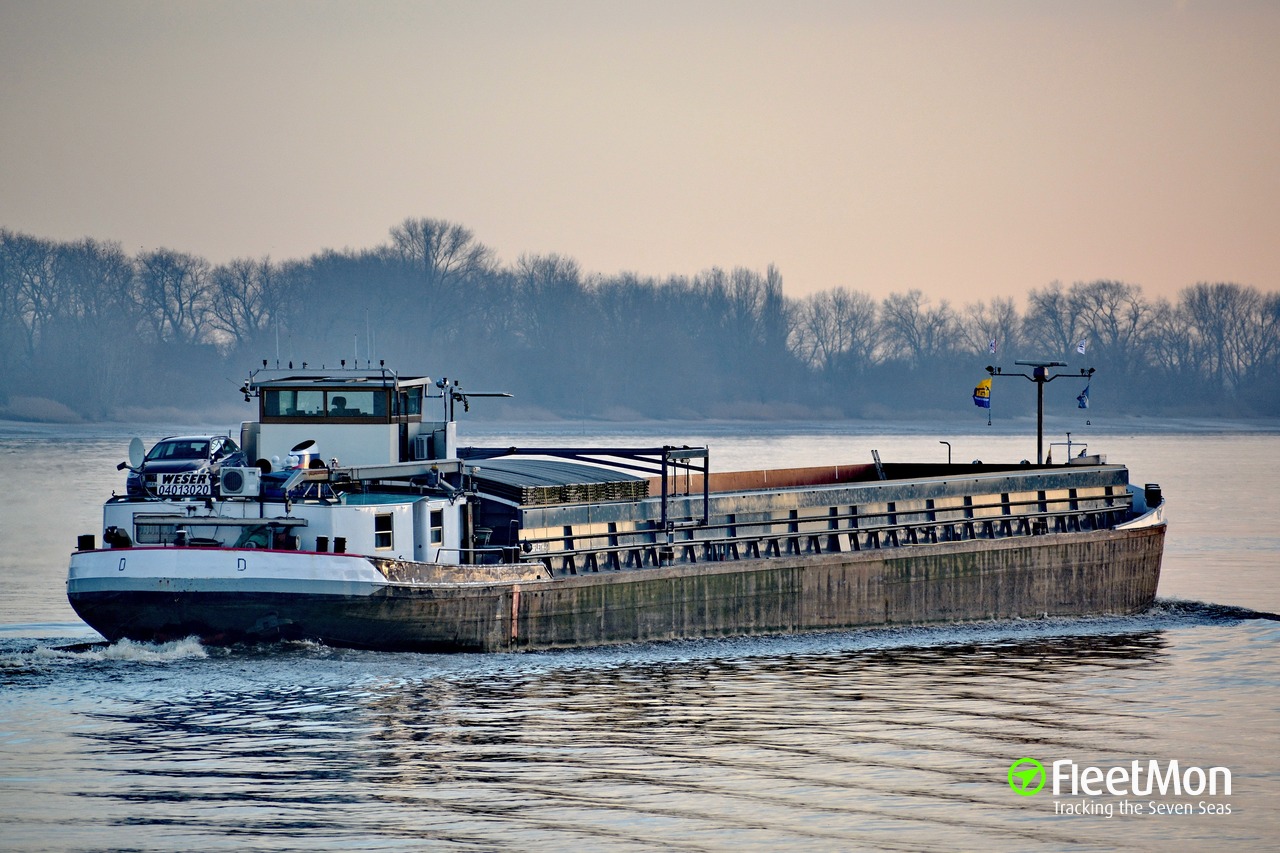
(100, 332)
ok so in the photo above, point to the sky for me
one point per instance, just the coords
(970, 150)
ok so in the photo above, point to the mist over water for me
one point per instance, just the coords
(887, 739)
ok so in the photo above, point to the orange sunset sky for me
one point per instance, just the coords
(967, 149)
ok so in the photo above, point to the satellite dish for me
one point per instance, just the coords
(136, 452)
(302, 445)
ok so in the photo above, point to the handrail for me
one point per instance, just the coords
(899, 519)
(771, 544)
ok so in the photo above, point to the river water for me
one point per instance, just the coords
(888, 739)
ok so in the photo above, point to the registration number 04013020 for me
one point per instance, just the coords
(185, 484)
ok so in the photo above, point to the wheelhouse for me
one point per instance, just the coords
(358, 417)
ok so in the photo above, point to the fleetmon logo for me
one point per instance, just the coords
(1026, 777)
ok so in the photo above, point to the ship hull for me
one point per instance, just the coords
(222, 596)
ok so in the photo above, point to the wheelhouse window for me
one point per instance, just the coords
(348, 404)
(409, 402)
(293, 403)
(383, 529)
(437, 527)
(357, 404)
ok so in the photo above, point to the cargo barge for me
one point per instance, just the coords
(349, 515)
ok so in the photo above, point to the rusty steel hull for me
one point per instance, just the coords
(1079, 574)
(1073, 574)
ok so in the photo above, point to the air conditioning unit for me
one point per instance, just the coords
(240, 482)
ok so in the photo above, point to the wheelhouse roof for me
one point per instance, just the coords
(324, 378)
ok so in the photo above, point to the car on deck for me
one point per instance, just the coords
(182, 466)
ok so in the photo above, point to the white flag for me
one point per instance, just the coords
(992, 348)
(1080, 346)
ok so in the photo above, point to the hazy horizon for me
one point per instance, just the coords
(968, 150)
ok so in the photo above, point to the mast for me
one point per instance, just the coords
(1040, 376)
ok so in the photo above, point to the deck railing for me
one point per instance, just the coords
(839, 530)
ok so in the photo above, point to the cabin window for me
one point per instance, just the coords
(382, 532)
(437, 527)
(154, 534)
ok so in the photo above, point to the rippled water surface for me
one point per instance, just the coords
(897, 740)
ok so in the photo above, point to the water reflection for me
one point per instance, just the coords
(876, 740)
(901, 747)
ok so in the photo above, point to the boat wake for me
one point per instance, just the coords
(18, 658)
(15, 660)
(1177, 607)
(127, 650)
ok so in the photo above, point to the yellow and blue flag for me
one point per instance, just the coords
(982, 394)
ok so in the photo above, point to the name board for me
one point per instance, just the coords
(186, 484)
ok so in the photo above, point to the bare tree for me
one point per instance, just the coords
(914, 332)
(31, 296)
(10, 310)
(999, 321)
(442, 251)
(1168, 346)
(97, 279)
(1268, 349)
(1232, 331)
(173, 291)
(71, 315)
(92, 357)
(550, 302)
(1050, 327)
(549, 287)
(777, 316)
(247, 297)
(836, 328)
(442, 270)
(1115, 318)
(744, 318)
